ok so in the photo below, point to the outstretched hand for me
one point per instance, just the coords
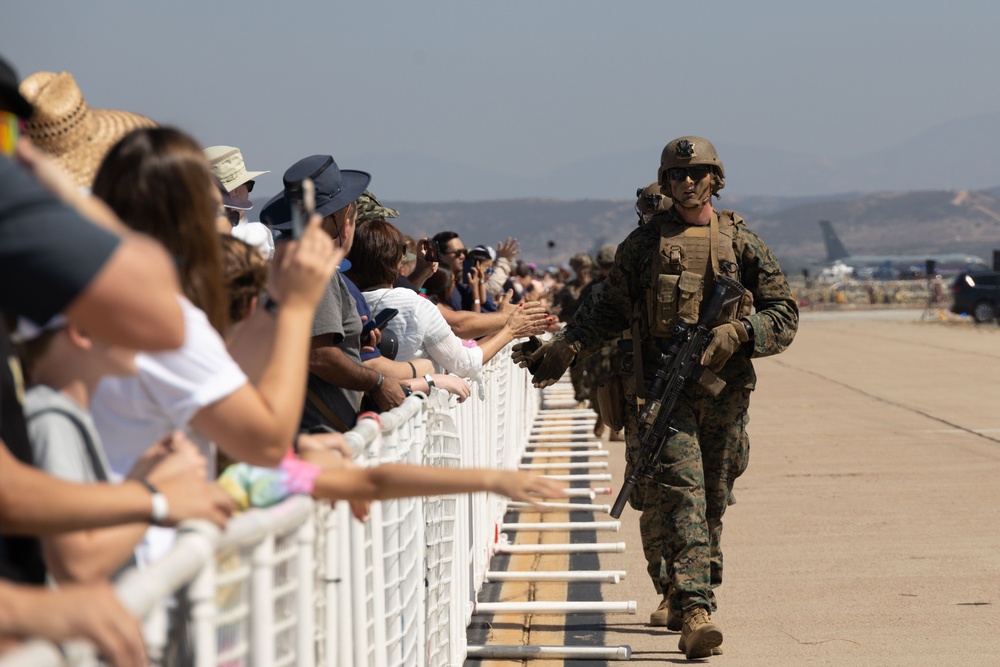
(546, 362)
(521, 353)
(528, 319)
(529, 488)
(508, 248)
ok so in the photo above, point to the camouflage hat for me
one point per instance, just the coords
(606, 255)
(370, 208)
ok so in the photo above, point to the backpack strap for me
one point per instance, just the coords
(95, 459)
(326, 412)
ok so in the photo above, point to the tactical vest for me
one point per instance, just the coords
(684, 270)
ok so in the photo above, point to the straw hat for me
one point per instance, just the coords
(227, 163)
(66, 128)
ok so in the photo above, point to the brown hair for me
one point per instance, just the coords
(32, 351)
(375, 254)
(158, 182)
(437, 286)
(244, 273)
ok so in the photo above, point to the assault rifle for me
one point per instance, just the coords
(680, 363)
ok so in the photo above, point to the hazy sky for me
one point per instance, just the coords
(520, 87)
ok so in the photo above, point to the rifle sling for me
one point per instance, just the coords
(640, 379)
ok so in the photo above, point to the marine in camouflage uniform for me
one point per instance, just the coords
(651, 281)
(565, 305)
(604, 365)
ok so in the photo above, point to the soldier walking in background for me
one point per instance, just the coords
(662, 273)
(565, 303)
(601, 369)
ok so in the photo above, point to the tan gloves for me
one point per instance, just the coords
(726, 339)
(521, 353)
(546, 361)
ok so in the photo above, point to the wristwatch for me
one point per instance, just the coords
(430, 381)
(381, 379)
(161, 507)
(749, 327)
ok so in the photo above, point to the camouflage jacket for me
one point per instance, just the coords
(774, 321)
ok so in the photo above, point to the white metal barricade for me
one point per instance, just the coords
(303, 583)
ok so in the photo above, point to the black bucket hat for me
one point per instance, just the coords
(335, 189)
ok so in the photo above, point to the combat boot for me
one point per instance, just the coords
(715, 651)
(598, 428)
(617, 436)
(665, 616)
(699, 636)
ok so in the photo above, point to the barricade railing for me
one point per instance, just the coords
(303, 583)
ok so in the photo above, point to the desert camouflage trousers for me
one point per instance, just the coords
(682, 506)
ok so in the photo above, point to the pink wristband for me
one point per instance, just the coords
(300, 477)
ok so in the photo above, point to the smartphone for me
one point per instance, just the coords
(379, 321)
(302, 205)
(430, 250)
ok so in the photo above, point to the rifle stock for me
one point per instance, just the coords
(680, 363)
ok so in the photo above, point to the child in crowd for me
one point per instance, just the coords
(64, 364)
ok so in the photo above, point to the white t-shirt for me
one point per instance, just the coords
(132, 413)
(423, 333)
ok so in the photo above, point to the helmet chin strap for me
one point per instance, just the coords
(693, 204)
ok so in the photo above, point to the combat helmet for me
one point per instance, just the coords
(580, 262)
(649, 201)
(692, 151)
(606, 255)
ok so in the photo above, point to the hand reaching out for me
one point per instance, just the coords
(509, 248)
(528, 319)
(525, 487)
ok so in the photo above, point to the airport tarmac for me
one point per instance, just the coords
(867, 527)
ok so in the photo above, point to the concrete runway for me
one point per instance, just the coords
(867, 527)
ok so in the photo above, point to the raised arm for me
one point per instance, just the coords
(258, 422)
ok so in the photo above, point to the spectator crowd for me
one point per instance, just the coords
(164, 351)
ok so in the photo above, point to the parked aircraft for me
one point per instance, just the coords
(891, 267)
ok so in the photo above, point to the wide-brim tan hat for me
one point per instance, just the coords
(227, 163)
(64, 126)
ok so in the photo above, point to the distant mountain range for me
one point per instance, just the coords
(958, 154)
(938, 221)
(936, 192)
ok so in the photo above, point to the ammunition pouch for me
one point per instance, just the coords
(677, 299)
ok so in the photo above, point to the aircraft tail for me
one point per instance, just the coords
(834, 248)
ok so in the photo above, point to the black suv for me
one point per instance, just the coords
(977, 293)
